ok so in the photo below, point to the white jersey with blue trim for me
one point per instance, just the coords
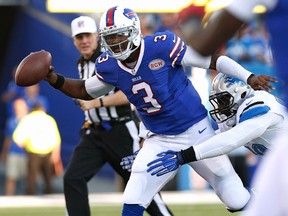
(260, 103)
(157, 86)
(258, 121)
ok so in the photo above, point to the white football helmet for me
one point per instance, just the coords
(227, 94)
(120, 21)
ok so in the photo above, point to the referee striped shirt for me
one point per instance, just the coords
(86, 68)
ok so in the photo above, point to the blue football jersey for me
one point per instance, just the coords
(157, 86)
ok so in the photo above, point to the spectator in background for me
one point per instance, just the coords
(168, 22)
(148, 24)
(250, 48)
(38, 133)
(12, 154)
(12, 92)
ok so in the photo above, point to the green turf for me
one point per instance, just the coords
(178, 210)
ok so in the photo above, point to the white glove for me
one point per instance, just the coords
(128, 161)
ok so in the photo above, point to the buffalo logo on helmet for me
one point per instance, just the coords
(130, 13)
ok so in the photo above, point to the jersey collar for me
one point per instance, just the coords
(134, 70)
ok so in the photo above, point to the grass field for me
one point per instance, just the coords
(115, 210)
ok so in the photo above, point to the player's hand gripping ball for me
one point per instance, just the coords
(33, 68)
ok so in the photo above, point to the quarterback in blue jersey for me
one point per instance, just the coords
(150, 73)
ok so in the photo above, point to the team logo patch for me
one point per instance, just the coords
(156, 64)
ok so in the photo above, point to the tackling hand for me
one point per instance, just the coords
(168, 162)
(261, 82)
(128, 161)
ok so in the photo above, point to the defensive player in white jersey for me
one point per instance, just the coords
(150, 73)
(245, 118)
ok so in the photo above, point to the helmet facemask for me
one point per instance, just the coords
(227, 94)
(224, 107)
(124, 47)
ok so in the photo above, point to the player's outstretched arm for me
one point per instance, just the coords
(228, 66)
(71, 87)
(217, 145)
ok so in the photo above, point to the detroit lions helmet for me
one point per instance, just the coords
(124, 23)
(227, 94)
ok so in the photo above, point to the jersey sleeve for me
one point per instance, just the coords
(251, 108)
(96, 88)
(194, 59)
(253, 112)
(174, 46)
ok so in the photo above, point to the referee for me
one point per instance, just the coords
(109, 132)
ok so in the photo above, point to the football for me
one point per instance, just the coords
(33, 68)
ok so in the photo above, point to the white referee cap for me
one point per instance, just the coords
(83, 24)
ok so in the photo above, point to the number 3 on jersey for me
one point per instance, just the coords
(143, 86)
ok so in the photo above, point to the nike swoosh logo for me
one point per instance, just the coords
(248, 103)
(201, 131)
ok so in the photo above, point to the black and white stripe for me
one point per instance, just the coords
(86, 68)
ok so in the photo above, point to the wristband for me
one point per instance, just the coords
(59, 82)
(252, 75)
(101, 102)
(188, 155)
